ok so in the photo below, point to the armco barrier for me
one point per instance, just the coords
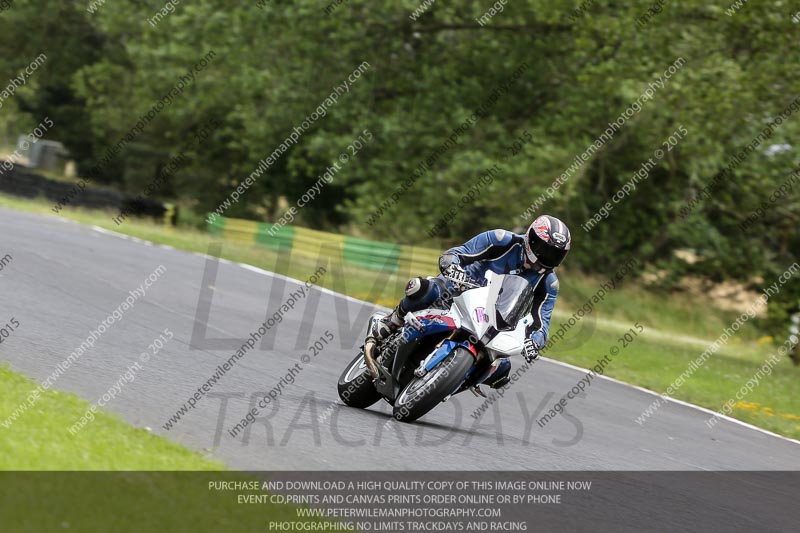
(373, 255)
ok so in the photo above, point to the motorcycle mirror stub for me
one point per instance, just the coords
(495, 283)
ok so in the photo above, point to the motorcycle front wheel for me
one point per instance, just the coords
(423, 394)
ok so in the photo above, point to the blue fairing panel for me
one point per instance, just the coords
(441, 352)
(430, 324)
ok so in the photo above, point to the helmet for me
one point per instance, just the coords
(547, 242)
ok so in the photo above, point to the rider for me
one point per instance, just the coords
(533, 256)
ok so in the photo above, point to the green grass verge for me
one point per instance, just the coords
(654, 361)
(96, 489)
(655, 364)
(39, 440)
(91, 502)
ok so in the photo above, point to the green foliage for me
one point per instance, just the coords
(276, 63)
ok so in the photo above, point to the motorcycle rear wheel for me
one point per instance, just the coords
(355, 384)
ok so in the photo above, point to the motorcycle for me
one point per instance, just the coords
(443, 351)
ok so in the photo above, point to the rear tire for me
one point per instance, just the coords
(355, 384)
(423, 394)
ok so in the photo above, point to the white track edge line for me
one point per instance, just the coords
(561, 363)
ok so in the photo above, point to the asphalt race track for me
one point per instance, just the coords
(66, 278)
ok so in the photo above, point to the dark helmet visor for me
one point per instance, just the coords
(547, 255)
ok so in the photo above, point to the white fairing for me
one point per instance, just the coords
(474, 311)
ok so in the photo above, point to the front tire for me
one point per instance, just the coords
(423, 394)
(355, 384)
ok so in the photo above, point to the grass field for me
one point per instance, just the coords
(168, 492)
(90, 502)
(677, 328)
(39, 440)
(655, 364)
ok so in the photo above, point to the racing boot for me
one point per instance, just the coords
(387, 325)
(419, 293)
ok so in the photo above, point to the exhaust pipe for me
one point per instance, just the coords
(369, 348)
(370, 343)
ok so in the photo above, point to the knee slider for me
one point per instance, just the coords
(500, 382)
(416, 287)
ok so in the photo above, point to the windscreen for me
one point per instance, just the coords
(513, 302)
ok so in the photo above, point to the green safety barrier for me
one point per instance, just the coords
(363, 253)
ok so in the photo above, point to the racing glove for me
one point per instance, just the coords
(530, 351)
(457, 274)
(445, 260)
